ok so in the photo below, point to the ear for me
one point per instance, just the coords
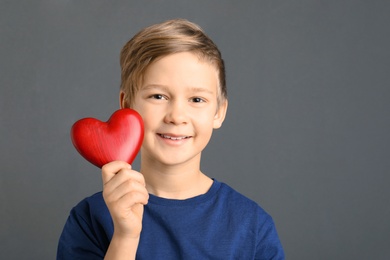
(122, 100)
(220, 115)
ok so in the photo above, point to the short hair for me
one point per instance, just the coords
(159, 40)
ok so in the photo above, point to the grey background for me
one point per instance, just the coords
(306, 136)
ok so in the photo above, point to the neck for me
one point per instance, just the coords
(175, 182)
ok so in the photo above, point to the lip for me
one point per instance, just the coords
(173, 137)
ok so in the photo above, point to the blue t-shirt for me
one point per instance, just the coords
(220, 224)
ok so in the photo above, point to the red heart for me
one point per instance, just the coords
(119, 138)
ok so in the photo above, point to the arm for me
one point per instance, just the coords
(125, 195)
(269, 245)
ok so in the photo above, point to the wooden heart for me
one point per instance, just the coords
(119, 138)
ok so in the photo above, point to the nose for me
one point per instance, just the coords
(176, 113)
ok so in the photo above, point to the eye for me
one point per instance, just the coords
(197, 100)
(157, 96)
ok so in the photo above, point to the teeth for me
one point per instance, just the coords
(174, 138)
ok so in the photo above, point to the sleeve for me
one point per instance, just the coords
(83, 236)
(269, 246)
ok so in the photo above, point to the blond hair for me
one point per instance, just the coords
(159, 40)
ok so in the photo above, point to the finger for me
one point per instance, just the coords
(126, 174)
(110, 169)
(114, 193)
(123, 176)
(133, 198)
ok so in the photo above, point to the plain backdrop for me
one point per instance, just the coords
(306, 135)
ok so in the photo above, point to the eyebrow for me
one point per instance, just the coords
(166, 89)
(196, 89)
(155, 86)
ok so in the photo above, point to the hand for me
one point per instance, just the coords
(125, 195)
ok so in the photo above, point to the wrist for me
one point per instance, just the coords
(122, 246)
(125, 236)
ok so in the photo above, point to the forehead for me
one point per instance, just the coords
(183, 68)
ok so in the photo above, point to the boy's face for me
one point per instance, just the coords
(178, 103)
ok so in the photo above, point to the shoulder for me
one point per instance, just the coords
(243, 209)
(92, 208)
(240, 201)
(253, 217)
(90, 203)
(95, 200)
(87, 231)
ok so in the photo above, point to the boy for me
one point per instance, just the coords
(174, 76)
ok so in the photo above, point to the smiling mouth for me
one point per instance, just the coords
(175, 138)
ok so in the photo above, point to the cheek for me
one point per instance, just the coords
(211, 115)
(205, 121)
(146, 117)
(148, 114)
(150, 119)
